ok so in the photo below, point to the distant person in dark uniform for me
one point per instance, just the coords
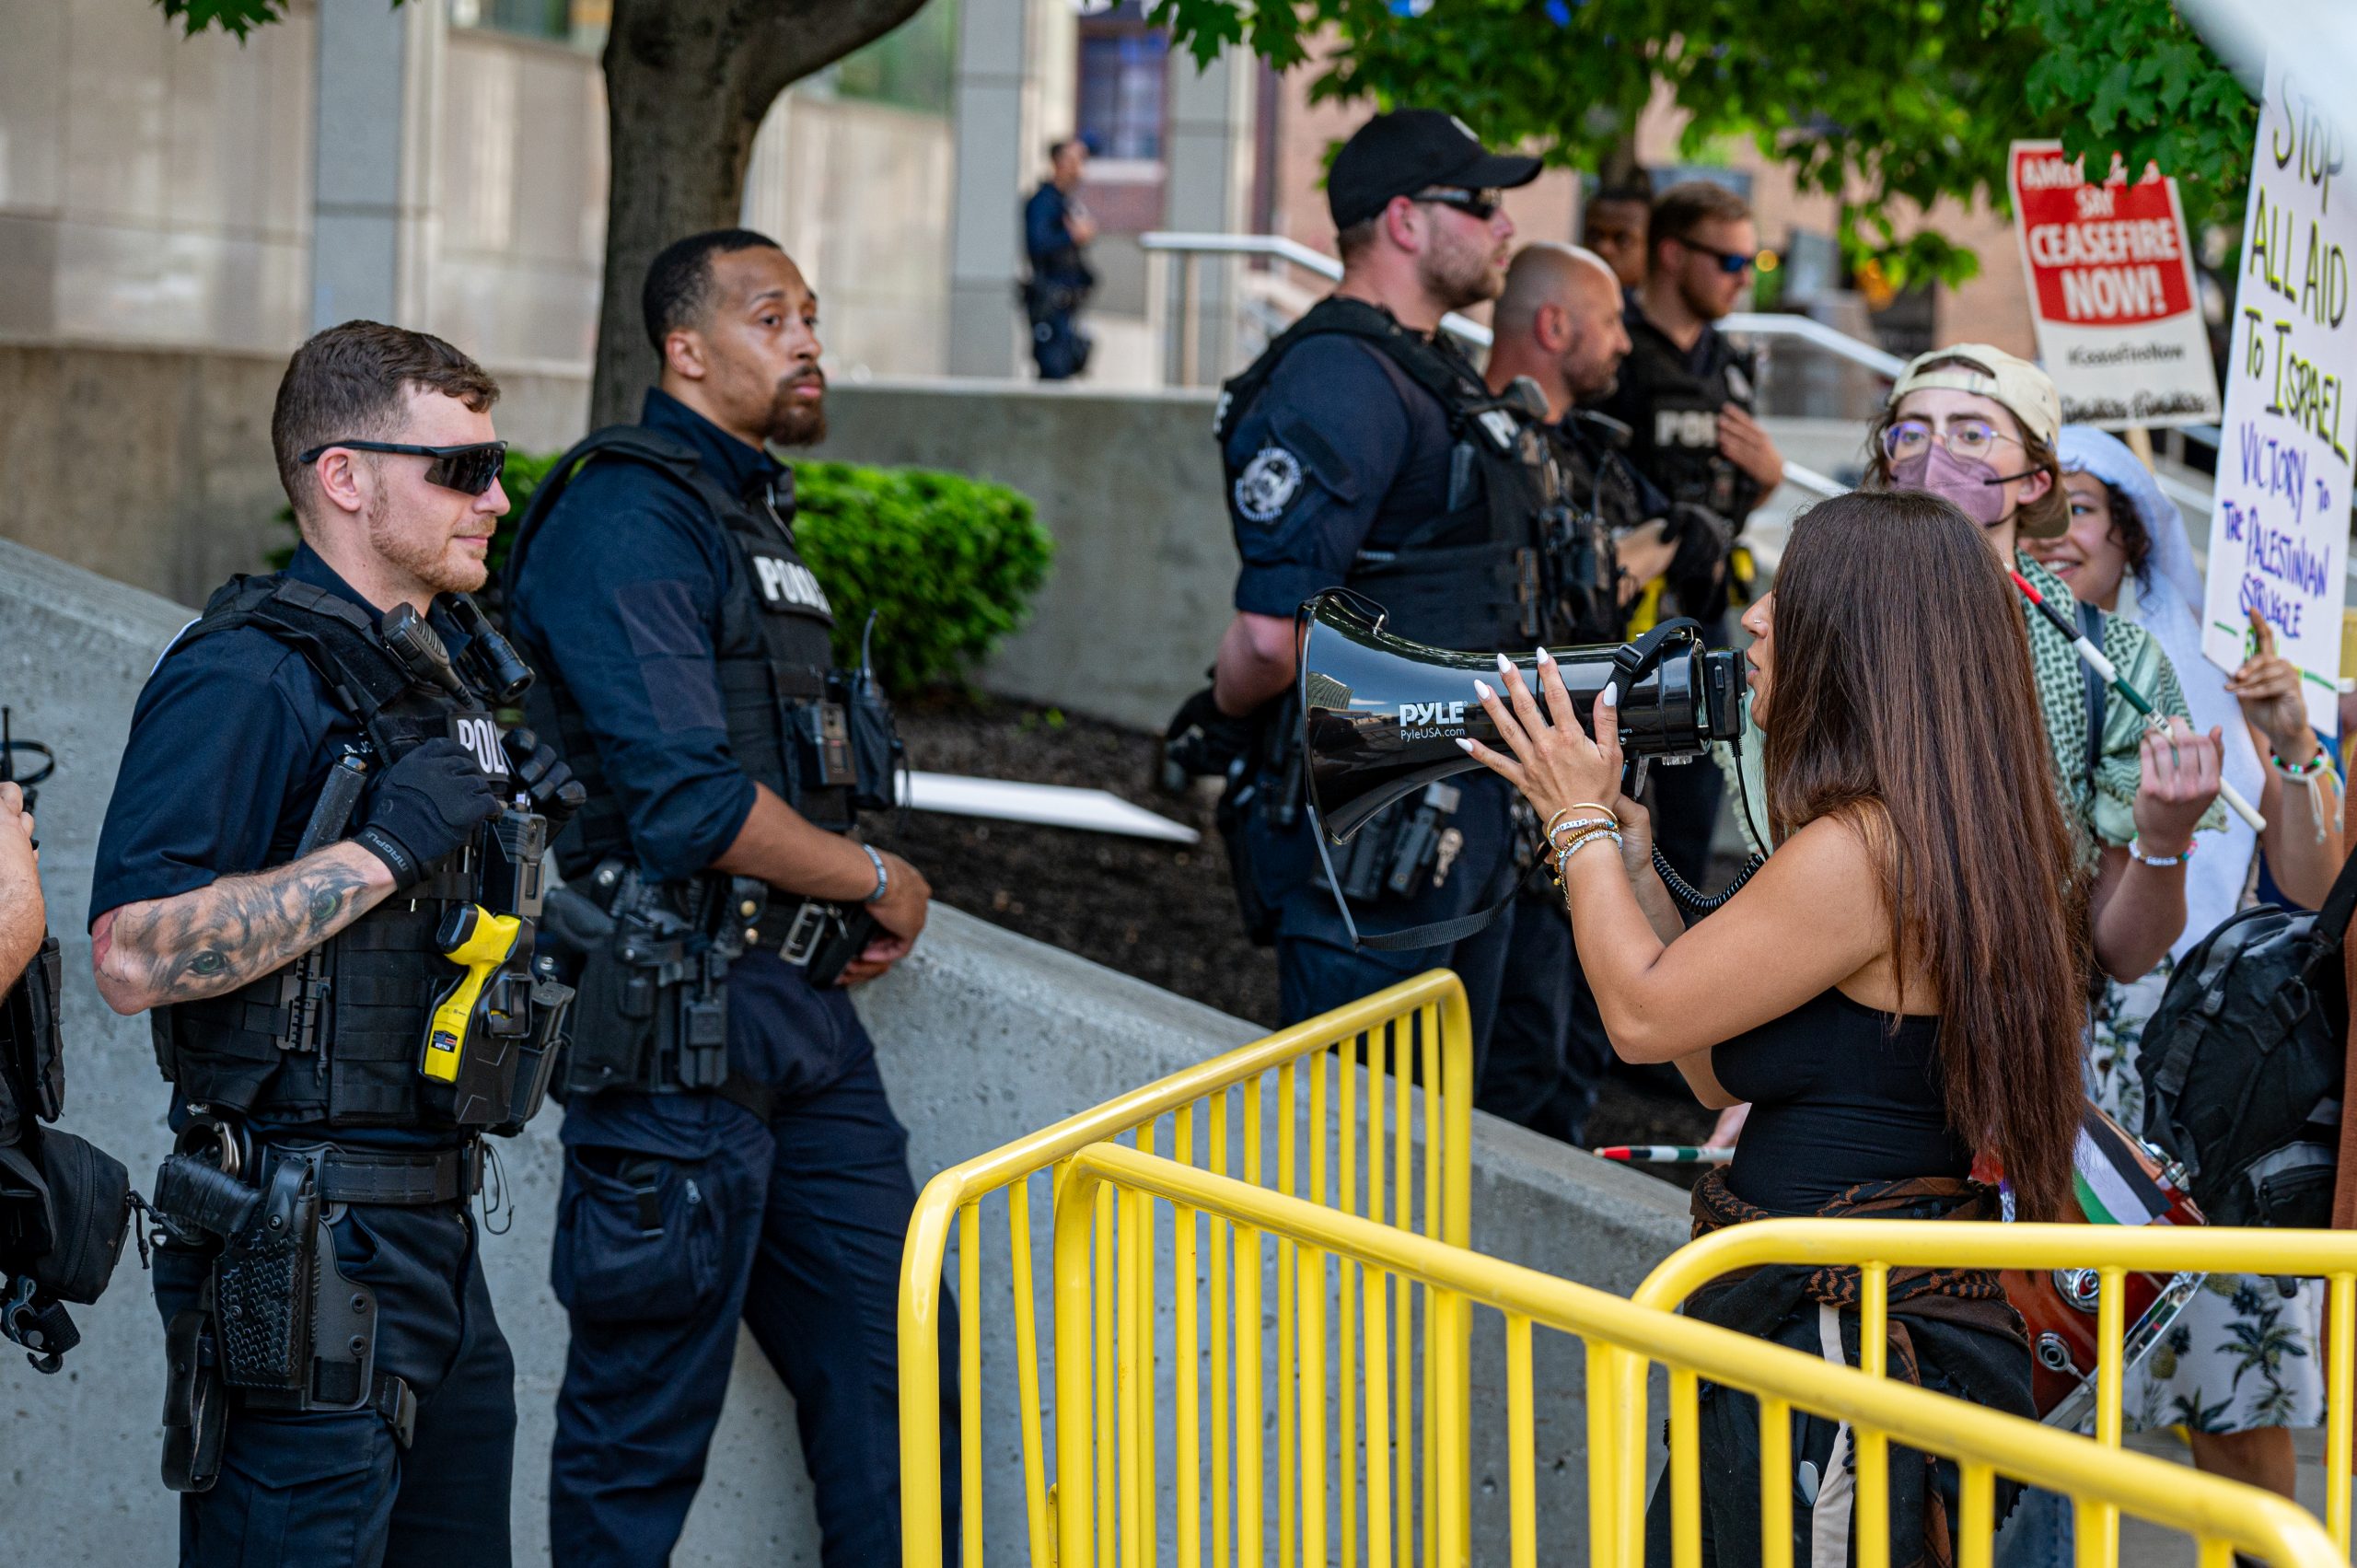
(1613, 226)
(1687, 395)
(1057, 231)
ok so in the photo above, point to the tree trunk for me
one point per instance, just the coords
(1619, 167)
(687, 85)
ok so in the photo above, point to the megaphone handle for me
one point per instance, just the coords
(1636, 784)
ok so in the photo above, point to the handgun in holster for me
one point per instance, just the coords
(278, 1322)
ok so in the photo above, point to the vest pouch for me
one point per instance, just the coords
(820, 733)
(537, 1058)
(876, 752)
(32, 1055)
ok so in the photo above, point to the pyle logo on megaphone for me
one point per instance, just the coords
(1432, 716)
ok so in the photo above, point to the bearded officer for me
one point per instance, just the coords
(1358, 455)
(334, 1067)
(730, 1155)
(1687, 395)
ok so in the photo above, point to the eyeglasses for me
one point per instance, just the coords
(1479, 205)
(1966, 439)
(472, 469)
(1732, 262)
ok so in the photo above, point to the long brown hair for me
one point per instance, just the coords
(1902, 699)
(2046, 518)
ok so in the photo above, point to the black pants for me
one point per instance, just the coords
(1548, 1048)
(795, 1228)
(337, 1487)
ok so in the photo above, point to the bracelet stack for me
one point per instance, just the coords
(1567, 831)
(2136, 852)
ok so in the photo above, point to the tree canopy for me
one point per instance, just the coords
(1886, 108)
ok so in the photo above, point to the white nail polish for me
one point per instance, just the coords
(1544, 657)
(1483, 688)
(1464, 745)
(1610, 696)
(1505, 665)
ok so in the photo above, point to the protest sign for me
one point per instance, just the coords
(2278, 526)
(2111, 290)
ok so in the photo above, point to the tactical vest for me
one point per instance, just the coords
(1470, 578)
(335, 1037)
(772, 650)
(32, 1056)
(1673, 413)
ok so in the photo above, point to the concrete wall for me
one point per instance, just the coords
(984, 1036)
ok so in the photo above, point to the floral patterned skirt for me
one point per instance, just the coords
(2243, 1355)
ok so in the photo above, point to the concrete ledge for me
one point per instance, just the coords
(983, 1036)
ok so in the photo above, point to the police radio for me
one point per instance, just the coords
(1381, 715)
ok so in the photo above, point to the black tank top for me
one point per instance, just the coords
(1837, 1099)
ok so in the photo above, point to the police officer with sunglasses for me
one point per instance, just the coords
(1687, 394)
(320, 873)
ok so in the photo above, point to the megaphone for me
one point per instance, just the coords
(1381, 715)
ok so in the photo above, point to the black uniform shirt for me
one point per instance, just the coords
(230, 744)
(1341, 452)
(1670, 398)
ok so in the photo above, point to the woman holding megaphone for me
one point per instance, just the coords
(1925, 913)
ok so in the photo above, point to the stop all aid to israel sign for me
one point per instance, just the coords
(2279, 525)
(2111, 290)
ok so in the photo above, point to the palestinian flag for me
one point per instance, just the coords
(2109, 1178)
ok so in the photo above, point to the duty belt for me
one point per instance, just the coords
(391, 1178)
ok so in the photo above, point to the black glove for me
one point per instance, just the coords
(1202, 740)
(427, 804)
(556, 794)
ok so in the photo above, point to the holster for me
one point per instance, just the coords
(652, 1009)
(279, 1322)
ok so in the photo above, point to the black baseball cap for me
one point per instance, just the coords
(1401, 152)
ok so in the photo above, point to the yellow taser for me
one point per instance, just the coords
(481, 941)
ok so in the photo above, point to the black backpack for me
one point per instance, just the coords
(2243, 1060)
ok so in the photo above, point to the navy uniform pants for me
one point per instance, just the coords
(337, 1487)
(1548, 1048)
(795, 1228)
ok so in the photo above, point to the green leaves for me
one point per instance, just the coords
(238, 16)
(950, 564)
(1889, 108)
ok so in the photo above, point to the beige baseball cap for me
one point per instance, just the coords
(1987, 371)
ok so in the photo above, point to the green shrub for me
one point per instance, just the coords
(949, 565)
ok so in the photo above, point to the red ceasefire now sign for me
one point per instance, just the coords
(2108, 255)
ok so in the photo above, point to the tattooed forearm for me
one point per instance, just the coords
(219, 937)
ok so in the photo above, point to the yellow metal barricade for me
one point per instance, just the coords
(1109, 1505)
(1876, 1247)
(1330, 1099)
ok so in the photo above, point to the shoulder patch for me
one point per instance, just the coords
(1267, 485)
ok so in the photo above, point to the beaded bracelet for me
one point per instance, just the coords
(1555, 823)
(2136, 852)
(2311, 775)
(1553, 837)
(1564, 855)
(2319, 763)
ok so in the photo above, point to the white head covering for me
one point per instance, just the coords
(2168, 591)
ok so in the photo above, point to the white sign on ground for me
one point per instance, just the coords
(2279, 528)
(2111, 290)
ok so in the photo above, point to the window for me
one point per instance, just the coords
(1122, 77)
(581, 23)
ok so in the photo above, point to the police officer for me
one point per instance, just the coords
(730, 1155)
(1559, 324)
(1685, 395)
(320, 870)
(1363, 450)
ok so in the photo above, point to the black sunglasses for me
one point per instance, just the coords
(472, 469)
(1479, 205)
(1730, 262)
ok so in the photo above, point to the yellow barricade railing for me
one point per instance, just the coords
(1097, 1531)
(1875, 1247)
(1325, 1078)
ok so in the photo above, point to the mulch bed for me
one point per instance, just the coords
(1163, 912)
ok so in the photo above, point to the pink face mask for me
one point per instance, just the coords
(1973, 488)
